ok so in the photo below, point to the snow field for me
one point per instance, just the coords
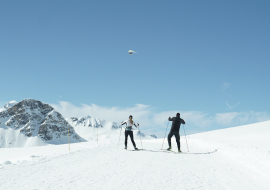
(91, 166)
(235, 158)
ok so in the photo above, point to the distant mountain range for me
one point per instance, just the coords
(90, 128)
(33, 123)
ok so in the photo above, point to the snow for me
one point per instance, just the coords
(8, 105)
(10, 138)
(234, 158)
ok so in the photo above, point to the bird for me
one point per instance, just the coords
(131, 52)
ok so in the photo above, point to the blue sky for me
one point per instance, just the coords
(202, 58)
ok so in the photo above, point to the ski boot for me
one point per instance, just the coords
(136, 148)
(179, 151)
(126, 147)
(170, 148)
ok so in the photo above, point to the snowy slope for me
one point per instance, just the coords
(235, 158)
(33, 123)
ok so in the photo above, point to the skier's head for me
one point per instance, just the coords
(178, 115)
(130, 119)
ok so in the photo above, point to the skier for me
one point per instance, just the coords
(176, 122)
(129, 123)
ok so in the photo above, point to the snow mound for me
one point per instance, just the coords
(247, 145)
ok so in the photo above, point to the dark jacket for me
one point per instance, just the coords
(176, 122)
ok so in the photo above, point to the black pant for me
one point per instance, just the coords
(177, 137)
(130, 133)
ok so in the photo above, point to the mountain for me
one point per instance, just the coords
(32, 123)
(91, 122)
(93, 129)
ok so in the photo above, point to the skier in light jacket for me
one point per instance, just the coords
(128, 131)
(176, 122)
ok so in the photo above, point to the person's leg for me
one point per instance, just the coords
(177, 138)
(169, 139)
(132, 139)
(126, 137)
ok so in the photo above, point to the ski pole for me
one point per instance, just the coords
(119, 136)
(140, 136)
(68, 140)
(165, 135)
(185, 136)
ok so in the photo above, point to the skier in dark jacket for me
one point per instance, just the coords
(176, 122)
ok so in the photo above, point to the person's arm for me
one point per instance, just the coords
(171, 119)
(182, 121)
(124, 122)
(135, 124)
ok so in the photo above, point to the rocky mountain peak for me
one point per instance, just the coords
(35, 118)
(10, 104)
(85, 121)
(28, 107)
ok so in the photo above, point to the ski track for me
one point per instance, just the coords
(106, 167)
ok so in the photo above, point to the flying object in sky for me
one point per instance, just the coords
(131, 52)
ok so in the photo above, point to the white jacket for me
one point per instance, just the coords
(128, 124)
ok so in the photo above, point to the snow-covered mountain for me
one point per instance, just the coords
(93, 129)
(33, 123)
(88, 121)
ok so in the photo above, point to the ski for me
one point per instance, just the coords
(134, 150)
(138, 150)
(175, 151)
(165, 150)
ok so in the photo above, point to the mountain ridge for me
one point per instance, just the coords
(37, 121)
